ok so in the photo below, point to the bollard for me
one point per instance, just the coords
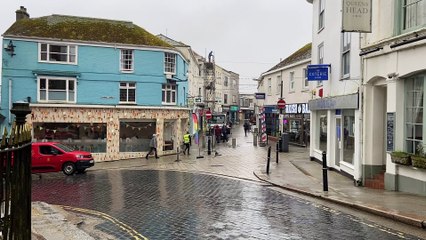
(278, 150)
(255, 139)
(269, 160)
(209, 142)
(178, 152)
(324, 171)
(234, 142)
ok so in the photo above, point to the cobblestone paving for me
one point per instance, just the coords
(178, 205)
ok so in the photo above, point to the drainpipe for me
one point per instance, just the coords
(10, 100)
(360, 178)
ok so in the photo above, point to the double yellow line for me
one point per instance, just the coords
(121, 225)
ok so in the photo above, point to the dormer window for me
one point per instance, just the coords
(170, 63)
(57, 53)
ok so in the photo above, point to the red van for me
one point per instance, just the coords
(55, 157)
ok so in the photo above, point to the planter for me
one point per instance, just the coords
(418, 161)
(401, 158)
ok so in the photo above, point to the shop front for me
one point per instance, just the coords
(335, 128)
(110, 133)
(297, 123)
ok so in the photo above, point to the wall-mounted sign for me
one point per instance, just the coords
(356, 16)
(338, 102)
(259, 95)
(234, 108)
(390, 126)
(318, 72)
(297, 108)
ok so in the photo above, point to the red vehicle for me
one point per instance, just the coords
(55, 157)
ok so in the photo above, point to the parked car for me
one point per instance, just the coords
(56, 157)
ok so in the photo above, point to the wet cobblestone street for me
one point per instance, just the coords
(178, 205)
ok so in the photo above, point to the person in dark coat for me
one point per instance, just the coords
(217, 133)
(225, 133)
(246, 128)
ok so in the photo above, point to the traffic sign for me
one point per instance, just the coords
(281, 104)
(208, 114)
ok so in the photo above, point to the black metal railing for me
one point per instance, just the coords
(15, 170)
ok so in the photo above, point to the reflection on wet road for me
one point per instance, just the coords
(176, 205)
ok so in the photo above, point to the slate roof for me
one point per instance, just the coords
(61, 27)
(301, 54)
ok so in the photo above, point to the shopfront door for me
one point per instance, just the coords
(338, 147)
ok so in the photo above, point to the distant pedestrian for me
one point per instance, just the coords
(187, 142)
(153, 146)
(246, 128)
(217, 133)
(225, 133)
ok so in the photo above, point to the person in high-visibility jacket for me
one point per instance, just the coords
(187, 142)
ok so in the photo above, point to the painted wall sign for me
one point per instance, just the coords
(339, 102)
(356, 16)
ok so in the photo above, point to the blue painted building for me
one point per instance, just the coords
(101, 85)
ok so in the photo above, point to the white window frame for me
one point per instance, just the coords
(234, 99)
(225, 82)
(305, 78)
(70, 97)
(269, 86)
(292, 83)
(71, 53)
(412, 16)
(414, 112)
(169, 91)
(170, 63)
(278, 85)
(346, 54)
(225, 98)
(126, 60)
(320, 60)
(321, 15)
(127, 86)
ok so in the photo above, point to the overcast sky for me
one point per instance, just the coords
(247, 36)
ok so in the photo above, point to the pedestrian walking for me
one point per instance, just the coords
(153, 146)
(217, 133)
(187, 142)
(225, 133)
(246, 127)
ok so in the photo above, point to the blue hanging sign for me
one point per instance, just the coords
(318, 72)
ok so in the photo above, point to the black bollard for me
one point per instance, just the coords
(209, 145)
(278, 150)
(269, 160)
(324, 171)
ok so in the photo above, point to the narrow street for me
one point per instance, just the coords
(153, 201)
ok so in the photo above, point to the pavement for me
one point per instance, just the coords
(294, 171)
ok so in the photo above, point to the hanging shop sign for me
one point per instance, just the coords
(259, 95)
(356, 16)
(318, 72)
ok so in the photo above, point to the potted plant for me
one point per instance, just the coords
(400, 157)
(419, 159)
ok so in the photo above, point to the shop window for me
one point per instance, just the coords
(169, 135)
(414, 113)
(136, 135)
(322, 130)
(89, 137)
(348, 135)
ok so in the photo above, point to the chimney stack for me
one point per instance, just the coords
(22, 14)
